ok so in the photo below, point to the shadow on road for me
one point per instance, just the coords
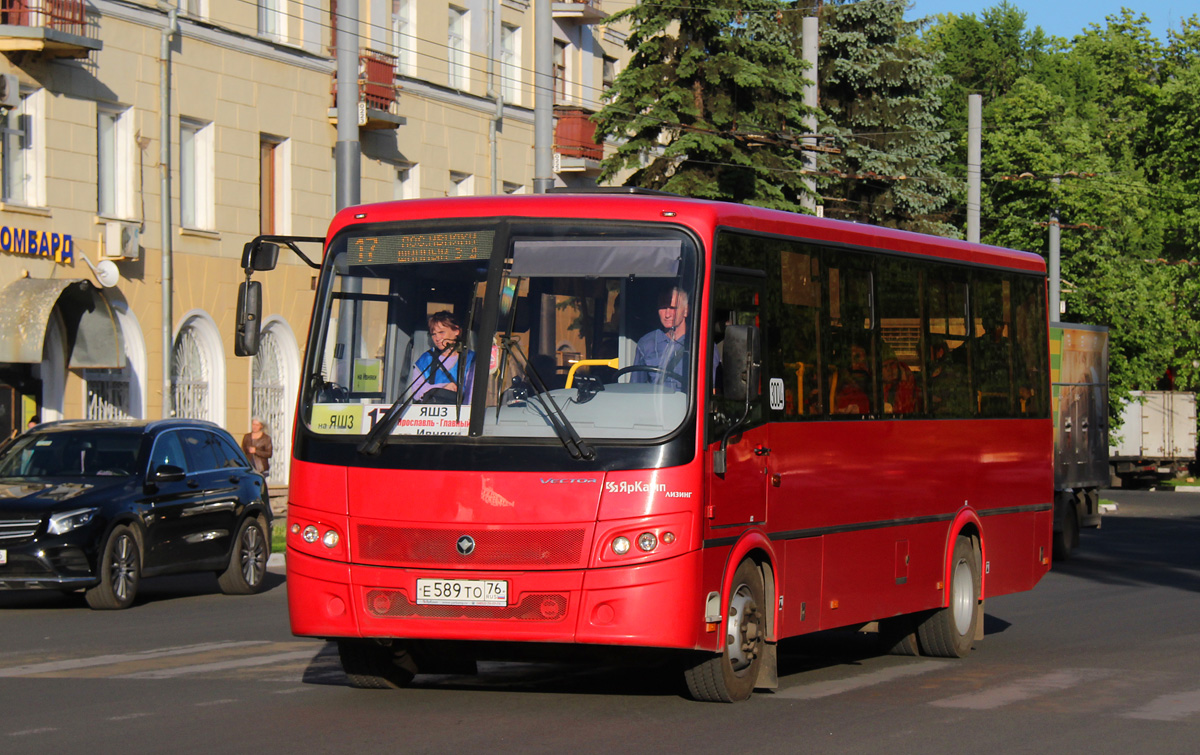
(1135, 551)
(151, 590)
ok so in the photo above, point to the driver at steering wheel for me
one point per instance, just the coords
(665, 348)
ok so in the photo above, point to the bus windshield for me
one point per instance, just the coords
(510, 330)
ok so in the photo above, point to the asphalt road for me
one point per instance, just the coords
(1100, 657)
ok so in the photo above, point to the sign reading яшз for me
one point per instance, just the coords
(59, 247)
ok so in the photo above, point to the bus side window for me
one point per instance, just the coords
(948, 358)
(900, 335)
(991, 303)
(797, 322)
(851, 354)
(1029, 369)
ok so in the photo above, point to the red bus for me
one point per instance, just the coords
(629, 419)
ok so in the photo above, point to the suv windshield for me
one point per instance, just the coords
(512, 331)
(72, 454)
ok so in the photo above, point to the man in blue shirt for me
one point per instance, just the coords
(666, 348)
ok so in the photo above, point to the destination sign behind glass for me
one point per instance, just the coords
(451, 246)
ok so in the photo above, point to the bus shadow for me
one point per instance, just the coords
(1139, 551)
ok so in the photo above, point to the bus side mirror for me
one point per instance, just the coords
(260, 255)
(249, 311)
(741, 355)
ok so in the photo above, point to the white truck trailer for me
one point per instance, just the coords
(1157, 437)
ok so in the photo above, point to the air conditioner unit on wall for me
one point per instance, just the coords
(121, 240)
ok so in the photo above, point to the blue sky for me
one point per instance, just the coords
(1066, 18)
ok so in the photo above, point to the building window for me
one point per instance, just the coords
(108, 394)
(196, 175)
(457, 46)
(198, 370)
(461, 184)
(404, 38)
(25, 151)
(274, 171)
(608, 76)
(114, 149)
(197, 9)
(408, 183)
(560, 71)
(510, 63)
(272, 22)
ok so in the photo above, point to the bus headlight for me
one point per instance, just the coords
(620, 546)
(331, 539)
(647, 541)
(310, 534)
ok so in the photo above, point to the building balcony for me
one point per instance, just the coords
(378, 92)
(575, 147)
(56, 28)
(579, 11)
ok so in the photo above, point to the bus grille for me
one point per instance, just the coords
(533, 607)
(437, 547)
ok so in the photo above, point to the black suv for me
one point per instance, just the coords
(98, 505)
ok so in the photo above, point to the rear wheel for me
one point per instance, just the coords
(1066, 539)
(950, 632)
(120, 570)
(248, 562)
(730, 676)
(898, 635)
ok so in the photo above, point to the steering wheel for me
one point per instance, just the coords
(652, 369)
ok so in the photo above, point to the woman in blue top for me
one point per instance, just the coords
(438, 367)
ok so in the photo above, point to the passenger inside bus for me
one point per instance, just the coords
(850, 385)
(947, 380)
(435, 377)
(664, 350)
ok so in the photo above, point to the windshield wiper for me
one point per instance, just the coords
(576, 446)
(378, 436)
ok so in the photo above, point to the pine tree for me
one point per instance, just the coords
(880, 95)
(710, 104)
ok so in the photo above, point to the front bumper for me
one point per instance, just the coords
(655, 604)
(41, 565)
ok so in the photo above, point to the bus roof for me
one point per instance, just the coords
(703, 216)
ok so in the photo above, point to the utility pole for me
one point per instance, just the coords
(974, 160)
(543, 97)
(347, 152)
(1055, 233)
(809, 32)
(164, 164)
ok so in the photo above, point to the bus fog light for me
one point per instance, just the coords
(295, 528)
(620, 546)
(647, 541)
(310, 534)
(331, 539)
(668, 538)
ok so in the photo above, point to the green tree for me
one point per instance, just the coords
(880, 96)
(710, 104)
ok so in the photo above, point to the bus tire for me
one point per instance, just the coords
(1066, 539)
(898, 635)
(730, 676)
(371, 665)
(950, 632)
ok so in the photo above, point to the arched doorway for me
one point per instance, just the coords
(198, 370)
(272, 392)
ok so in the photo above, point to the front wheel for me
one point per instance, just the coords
(120, 570)
(950, 632)
(248, 562)
(730, 676)
(370, 664)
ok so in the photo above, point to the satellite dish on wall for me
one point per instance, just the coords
(107, 273)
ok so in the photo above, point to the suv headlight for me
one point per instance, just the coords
(61, 524)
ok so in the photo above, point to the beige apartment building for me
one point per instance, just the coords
(85, 316)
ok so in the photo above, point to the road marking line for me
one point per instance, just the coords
(129, 716)
(225, 701)
(1169, 707)
(107, 660)
(839, 686)
(200, 668)
(1023, 689)
(27, 732)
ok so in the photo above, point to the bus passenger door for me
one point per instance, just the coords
(739, 495)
